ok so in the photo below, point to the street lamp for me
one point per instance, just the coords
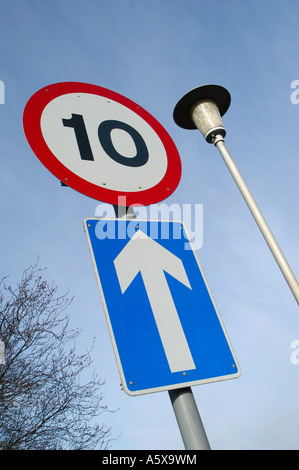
(203, 108)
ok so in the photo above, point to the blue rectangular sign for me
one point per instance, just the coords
(165, 327)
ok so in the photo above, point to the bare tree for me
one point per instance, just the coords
(48, 400)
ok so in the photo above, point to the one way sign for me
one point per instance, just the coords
(165, 328)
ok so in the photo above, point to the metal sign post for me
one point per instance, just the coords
(202, 108)
(188, 419)
(184, 405)
(165, 328)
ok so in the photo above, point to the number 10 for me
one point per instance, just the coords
(104, 135)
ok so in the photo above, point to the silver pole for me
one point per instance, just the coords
(184, 405)
(261, 222)
(188, 419)
(202, 108)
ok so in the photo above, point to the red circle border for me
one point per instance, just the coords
(32, 128)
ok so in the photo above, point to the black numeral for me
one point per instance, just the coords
(104, 135)
(77, 123)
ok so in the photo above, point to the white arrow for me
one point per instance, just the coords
(143, 254)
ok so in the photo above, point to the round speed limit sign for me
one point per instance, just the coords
(101, 144)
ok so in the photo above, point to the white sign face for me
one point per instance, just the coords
(102, 144)
(82, 115)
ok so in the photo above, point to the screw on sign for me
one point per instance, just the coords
(101, 144)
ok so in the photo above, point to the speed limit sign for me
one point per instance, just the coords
(101, 144)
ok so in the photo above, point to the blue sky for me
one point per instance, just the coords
(153, 52)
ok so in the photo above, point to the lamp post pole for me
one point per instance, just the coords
(202, 108)
(258, 216)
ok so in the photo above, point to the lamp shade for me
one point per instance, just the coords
(202, 108)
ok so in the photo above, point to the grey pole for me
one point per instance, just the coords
(183, 402)
(258, 216)
(188, 419)
(202, 108)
